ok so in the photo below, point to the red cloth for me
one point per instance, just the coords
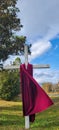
(34, 97)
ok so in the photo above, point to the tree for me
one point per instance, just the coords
(17, 61)
(9, 23)
(9, 85)
(47, 87)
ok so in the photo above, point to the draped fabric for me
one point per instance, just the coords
(34, 97)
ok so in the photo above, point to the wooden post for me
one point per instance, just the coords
(27, 122)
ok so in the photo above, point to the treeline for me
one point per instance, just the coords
(49, 87)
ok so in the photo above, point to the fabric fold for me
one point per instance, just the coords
(34, 97)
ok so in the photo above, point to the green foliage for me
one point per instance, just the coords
(9, 23)
(9, 85)
(17, 61)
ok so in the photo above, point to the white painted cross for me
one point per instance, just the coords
(27, 122)
(11, 67)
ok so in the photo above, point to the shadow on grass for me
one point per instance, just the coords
(12, 108)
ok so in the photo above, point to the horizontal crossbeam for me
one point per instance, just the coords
(11, 67)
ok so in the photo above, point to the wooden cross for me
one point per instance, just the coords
(11, 67)
(27, 122)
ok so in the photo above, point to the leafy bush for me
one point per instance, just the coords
(9, 85)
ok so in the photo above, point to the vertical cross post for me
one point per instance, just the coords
(27, 123)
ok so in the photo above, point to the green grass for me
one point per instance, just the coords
(11, 117)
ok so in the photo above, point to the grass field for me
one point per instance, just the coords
(11, 117)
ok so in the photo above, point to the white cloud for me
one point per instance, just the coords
(46, 75)
(11, 58)
(40, 18)
(40, 47)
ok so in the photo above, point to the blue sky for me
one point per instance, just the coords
(40, 19)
